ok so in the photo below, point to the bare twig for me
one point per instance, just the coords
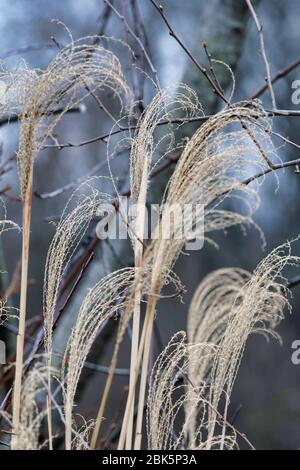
(104, 137)
(293, 282)
(280, 74)
(263, 51)
(5, 167)
(139, 30)
(72, 184)
(212, 70)
(14, 285)
(104, 21)
(200, 67)
(137, 39)
(15, 118)
(4, 192)
(25, 50)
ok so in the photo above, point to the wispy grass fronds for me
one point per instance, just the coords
(227, 307)
(194, 378)
(165, 105)
(31, 414)
(6, 225)
(259, 308)
(82, 435)
(7, 311)
(209, 313)
(142, 277)
(171, 405)
(78, 69)
(212, 304)
(175, 101)
(4, 312)
(212, 167)
(105, 300)
(80, 210)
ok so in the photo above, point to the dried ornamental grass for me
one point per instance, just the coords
(210, 312)
(228, 305)
(70, 231)
(78, 69)
(170, 397)
(259, 309)
(31, 416)
(212, 303)
(80, 210)
(212, 167)
(216, 163)
(165, 105)
(105, 300)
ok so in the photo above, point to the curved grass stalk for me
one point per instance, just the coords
(181, 98)
(228, 306)
(62, 84)
(101, 303)
(259, 309)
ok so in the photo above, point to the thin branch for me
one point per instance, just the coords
(105, 369)
(283, 112)
(15, 118)
(293, 282)
(280, 74)
(285, 139)
(4, 192)
(72, 184)
(275, 167)
(263, 51)
(14, 285)
(140, 58)
(137, 39)
(200, 67)
(212, 70)
(105, 18)
(25, 50)
(104, 137)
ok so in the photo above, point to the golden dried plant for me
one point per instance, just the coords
(77, 71)
(212, 167)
